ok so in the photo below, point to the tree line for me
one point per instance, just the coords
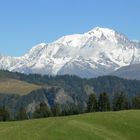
(118, 102)
(102, 102)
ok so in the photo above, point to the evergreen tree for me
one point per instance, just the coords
(22, 115)
(42, 112)
(120, 102)
(92, 103)
(4, 114)
(71, 109)
(56, 110)
(103, 102)
(136, 102)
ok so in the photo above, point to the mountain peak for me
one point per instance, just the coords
(79, 39)
(107, 34)
(95, 53)
(99, 32)
(103, 30)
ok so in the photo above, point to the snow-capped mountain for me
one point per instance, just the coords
(97, 52)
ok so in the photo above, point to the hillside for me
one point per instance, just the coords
(13, 86)
(128, 72)
(67, 91)
(76, 85)
(123, 125)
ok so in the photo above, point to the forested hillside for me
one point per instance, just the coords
(70, 93)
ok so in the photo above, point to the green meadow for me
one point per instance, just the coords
(122, 125)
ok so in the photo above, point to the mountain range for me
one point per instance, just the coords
(101, 51)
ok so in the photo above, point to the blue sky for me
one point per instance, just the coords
(25, 23)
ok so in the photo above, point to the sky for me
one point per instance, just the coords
(25, 23)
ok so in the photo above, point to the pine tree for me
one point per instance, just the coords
(56, 110)
(22, 115)
(120, 102)
(103, 102)
(92, 103)
(4, 114)
(42, 112)
(136, 102)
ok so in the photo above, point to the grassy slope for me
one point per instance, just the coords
(123, 125)
(12, 86)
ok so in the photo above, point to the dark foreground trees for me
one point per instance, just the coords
(120, 102)
(42, 112)
(100, 103)
(4, 114)
(56, 110)
(22, 115)
(103, 102)
(136, 102)
(92, 105)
